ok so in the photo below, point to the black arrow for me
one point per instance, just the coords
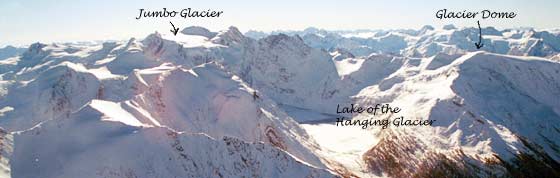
(479, 44)
(174, 30)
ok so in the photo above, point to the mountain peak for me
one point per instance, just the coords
(10, 47)
(37, 46)
(427, 27)
(283, 38)
(449, 27)
(200, 31)
(34, 49)
(229, 37)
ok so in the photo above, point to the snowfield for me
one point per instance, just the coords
(225, 104)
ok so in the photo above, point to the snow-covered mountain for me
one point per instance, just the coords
(429, 41)
(222, 104)
(142, 89)
(10, 51)
(495, 115)
(100, 140)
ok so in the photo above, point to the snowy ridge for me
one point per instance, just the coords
(472, 122)
(88, 146)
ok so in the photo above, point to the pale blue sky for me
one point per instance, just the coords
(26, 21)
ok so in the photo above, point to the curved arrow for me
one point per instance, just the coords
(479, 44)
(174, 30)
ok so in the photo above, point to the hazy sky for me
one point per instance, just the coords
(26, 21)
